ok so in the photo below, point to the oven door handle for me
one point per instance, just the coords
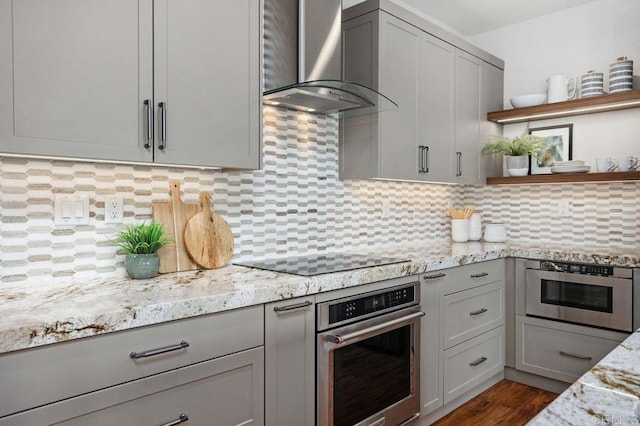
(339, 339)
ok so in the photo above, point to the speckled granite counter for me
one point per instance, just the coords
(606, 394)
(37, 315)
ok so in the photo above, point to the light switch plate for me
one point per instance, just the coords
(70, 210)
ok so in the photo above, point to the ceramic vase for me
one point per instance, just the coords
(518, 165)
(141, 266)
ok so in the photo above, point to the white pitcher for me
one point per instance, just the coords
(558, 89)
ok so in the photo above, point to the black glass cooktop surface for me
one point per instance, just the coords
(320, 263)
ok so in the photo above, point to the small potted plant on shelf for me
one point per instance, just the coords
(141, 243)
(516, 150)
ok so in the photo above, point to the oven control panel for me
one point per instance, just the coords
(604, 271)
(368, 304)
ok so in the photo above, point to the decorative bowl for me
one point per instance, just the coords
(528, 100)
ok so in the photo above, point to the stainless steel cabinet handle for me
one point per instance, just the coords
(290, 308)
(379, 422)
(477, 361)
(480, 275)
(586, 358)
(433, 277)
(426, 159)
(163, 125)
(478, 312)
(149, 111)
(459, 155)
(421, 158)
(339, 339)
(183, 418)
(152, 352)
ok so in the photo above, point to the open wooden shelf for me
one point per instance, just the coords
(604, 103)
(564, 178)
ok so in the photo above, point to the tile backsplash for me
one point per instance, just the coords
(294, 204)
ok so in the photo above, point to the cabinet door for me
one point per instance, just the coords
(468, 80)
(208, 82)
(436, 97)
(73, 78)
(290, 362)
(398, 79)
(225, 391)
(430, 354)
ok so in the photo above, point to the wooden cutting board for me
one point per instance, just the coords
(174, 215)
(208, 237)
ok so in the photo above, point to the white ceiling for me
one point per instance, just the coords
(471, 17)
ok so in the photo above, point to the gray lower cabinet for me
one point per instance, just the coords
(561, 351)
(218, 359)
(437, 131)
(225, 391)
(290, 362)
(430, 353)
(165, 81)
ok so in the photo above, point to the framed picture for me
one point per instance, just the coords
(558, 141)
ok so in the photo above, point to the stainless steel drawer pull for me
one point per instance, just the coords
(478, 312)
(163, 125)
(586, 358)
(149, 111)
(152, 352)
(183, 418)
(480, 275)
(433, 277)
(292, 307)
(477, 361)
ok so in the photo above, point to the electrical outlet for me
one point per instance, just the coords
(385, 208)
(113, 209)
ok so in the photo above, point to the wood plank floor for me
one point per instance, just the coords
(506, 403)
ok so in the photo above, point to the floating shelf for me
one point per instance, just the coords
(604, 103)
(564, 178)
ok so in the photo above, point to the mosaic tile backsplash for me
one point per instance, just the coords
(295, 204)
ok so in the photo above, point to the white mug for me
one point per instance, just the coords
(558, 88)
(627, 163)
(606, 164)
(460, 230)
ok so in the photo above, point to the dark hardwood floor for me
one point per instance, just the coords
(506, 403)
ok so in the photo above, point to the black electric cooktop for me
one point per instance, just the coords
(320, 263)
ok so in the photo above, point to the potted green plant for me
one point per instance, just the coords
(141, 243)
(516, 150)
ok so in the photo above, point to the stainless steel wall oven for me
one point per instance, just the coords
(368, 358)
(595, 295)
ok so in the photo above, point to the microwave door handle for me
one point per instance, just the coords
(339, 339)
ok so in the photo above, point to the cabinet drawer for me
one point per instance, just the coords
(71, 368)
(470, 313)
(470, 363)
(225, 391)
(470, 276)
(560, 351)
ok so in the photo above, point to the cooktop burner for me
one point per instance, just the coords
(320, 263)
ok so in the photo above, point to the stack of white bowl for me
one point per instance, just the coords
(571, 166)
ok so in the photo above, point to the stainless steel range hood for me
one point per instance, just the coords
(303, 60)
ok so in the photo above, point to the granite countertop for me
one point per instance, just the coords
(35, 315)
(607, 394)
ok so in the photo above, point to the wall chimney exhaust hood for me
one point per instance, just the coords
(303, 60)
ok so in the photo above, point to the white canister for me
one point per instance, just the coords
(460, 230)
(495, 233)
(475, 227)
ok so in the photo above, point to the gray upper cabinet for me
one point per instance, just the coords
(435, 134)
(170, 81)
